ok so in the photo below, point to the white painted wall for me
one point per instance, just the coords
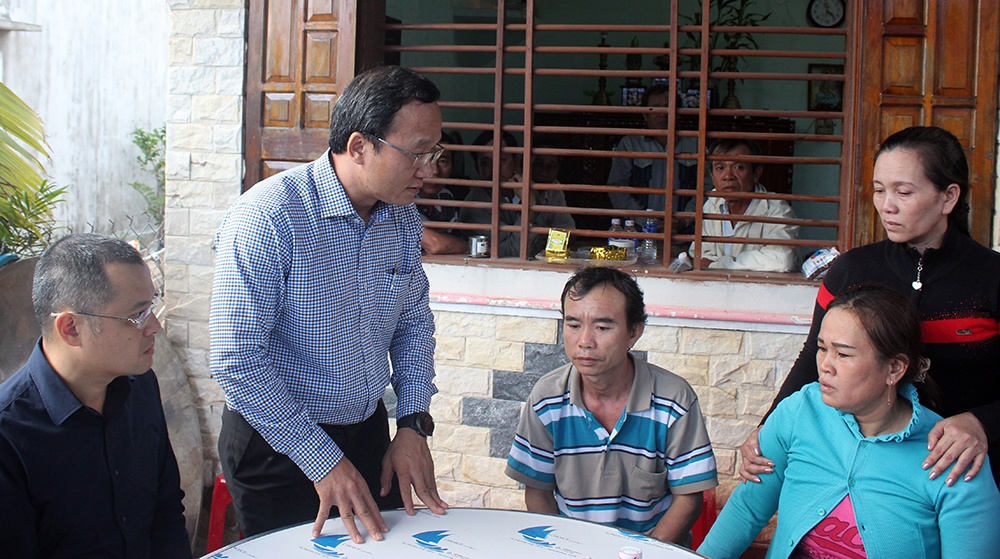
(95, 71)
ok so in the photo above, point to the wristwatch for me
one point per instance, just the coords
(421, 422)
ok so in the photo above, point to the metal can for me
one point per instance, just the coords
(479, 246)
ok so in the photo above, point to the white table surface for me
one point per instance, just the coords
(459, 534)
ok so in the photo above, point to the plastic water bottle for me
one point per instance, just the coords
(630, 228)
(648, 253)
(616, 227)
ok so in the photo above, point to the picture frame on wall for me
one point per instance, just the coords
(632, 95)
(826, 95)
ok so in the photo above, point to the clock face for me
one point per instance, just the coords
(826, 13)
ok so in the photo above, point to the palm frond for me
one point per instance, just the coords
(21, 121)
(26, 199)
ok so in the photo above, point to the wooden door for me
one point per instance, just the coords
(300, 55)
(929, 62)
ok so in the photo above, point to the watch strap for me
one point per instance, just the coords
(421, 422)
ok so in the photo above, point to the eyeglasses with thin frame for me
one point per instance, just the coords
(419, 159)
(140, 321)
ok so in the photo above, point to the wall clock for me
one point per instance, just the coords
(826, 13)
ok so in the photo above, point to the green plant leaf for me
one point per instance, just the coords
(26, 223)
(152, 147)
(21, 121)
(26, 199)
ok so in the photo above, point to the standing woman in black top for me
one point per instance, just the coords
(921, 184)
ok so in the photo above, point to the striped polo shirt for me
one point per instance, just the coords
(659, 447)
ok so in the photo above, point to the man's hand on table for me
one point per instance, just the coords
(344, 487)
(410, 459)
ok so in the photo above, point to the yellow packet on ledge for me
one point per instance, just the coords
(557, 245)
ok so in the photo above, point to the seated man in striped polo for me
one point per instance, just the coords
(608, 437)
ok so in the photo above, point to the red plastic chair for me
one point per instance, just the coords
(705, 519)
(217, 516)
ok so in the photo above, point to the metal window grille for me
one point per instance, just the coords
(531, 68)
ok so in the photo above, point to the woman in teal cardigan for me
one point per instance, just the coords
(847, 451)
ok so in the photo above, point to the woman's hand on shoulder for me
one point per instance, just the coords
(959, 440)
(753, 464)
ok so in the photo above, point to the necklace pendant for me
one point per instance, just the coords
(917, 285)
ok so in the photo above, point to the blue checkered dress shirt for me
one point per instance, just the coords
(310, 304)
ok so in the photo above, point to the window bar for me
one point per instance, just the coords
(497, 130)
(527, 114)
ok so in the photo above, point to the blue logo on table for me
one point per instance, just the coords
(327, 545)
(634, 536)
(431, 540)
(538, 535)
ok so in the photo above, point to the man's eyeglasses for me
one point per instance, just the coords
(419, 159)
(140, 320)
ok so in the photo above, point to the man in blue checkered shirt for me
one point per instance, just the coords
(318, 288)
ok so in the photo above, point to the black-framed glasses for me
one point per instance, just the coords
(140, 320)
(419, 159)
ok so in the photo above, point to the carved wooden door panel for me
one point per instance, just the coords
(929, 62)
(300, 55)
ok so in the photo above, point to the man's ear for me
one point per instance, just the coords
(758, 170)
(357, 146)
(67, 326)
(636, 334)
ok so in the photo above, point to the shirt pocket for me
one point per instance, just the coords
(645, 485)
(396, 287)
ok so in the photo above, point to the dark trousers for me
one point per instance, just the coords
(269, 491)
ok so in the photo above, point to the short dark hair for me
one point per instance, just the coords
(944, 162)
(890, 321)
(71, 274)
(728, 145)
(370, 102)
(588, 277)
(485, 137)
(654, 89)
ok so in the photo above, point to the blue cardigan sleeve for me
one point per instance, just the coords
(968, 516)
(752, 505)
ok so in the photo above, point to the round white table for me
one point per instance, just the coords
(459, 534)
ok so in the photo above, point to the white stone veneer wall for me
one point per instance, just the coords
(204, 170)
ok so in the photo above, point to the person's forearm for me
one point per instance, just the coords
(770, 258)
(254, 391)
(412, 348)
(168, 531)
(675, 524)
(989, 416)
(18, 518)
(436, 242)
(540, 500)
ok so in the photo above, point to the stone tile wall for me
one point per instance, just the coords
(204, 166)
